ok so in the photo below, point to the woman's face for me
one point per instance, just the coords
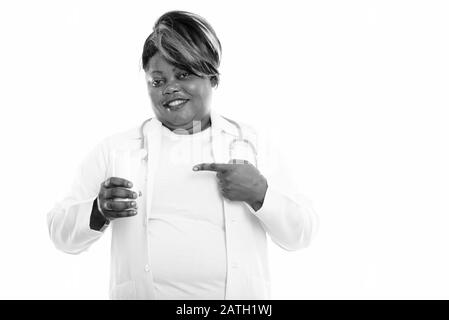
(178, 98)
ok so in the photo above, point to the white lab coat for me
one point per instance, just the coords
(285, 215)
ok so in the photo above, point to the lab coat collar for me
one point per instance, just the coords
(220, 124)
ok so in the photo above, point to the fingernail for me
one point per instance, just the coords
(134, 195)
(130, 184)
(133, 203)
(195, 168)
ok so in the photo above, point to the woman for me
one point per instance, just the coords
(189, 195)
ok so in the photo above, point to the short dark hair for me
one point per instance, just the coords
(186, 41)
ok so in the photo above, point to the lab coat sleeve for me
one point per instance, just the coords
(286, 215)
(68, 222)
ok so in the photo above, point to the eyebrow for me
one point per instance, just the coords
(157, 71)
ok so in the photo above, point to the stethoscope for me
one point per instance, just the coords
(232, 145)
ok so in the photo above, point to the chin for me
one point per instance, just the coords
(177, 122)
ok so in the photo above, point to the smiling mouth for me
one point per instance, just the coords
(175, 105)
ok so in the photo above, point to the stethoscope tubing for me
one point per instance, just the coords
(240, 138)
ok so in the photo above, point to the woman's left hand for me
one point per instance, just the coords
(238, 180)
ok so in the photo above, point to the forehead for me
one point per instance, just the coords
(158, 64)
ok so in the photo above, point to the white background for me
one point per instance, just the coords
(358, 91)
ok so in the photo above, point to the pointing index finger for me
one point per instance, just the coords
(217, 167)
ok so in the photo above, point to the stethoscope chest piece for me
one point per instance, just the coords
(242, 149)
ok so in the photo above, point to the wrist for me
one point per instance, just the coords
(98, 221)
(259, 198)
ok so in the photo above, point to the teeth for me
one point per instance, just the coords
(175, 103)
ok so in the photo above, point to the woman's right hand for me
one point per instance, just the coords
(109, 199)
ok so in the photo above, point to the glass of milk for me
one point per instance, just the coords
(125, 165)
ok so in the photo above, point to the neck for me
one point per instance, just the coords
(191, 128)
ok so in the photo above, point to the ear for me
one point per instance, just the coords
(214, 81)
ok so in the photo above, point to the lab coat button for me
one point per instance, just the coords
(147, 268)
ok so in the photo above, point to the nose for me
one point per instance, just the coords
(171, 87)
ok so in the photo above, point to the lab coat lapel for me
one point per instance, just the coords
(153, 137)
(218, 139)
(220, 156)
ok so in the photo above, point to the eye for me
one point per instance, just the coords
(156, 82)
(183, 75)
